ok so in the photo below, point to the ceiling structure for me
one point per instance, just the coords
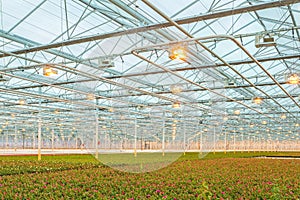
(110, 62)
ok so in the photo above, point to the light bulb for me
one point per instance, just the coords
(237, 112)
(264, 122)
(22, 101)
(49, 71)
(90, 96)
(178, 52)
(176, 105)
(257, 100)
(283, 116)
(293, 79)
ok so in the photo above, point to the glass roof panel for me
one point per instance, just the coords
(120, 54)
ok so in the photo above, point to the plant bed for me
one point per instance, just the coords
(81, 177)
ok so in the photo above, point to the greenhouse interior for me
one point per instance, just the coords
(139, 84)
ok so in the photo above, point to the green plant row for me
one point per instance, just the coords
(217, 176)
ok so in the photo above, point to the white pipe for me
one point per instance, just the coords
(52, 140)
(96, 136)
(135, 137)
(39, 128)
(39, 138)
(6, 139)
(163, 135)
(16, 138)
(225, 145)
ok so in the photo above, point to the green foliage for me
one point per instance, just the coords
(217, 176)
(204, 192)
(211, 155)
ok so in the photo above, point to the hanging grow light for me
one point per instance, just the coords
(263, 40)
(22, 101)
(49, 71)
(293, 78)
(178, 53)
(105, 63)
(283, 116)
(257, 100)
(176, 89)
(237, 112)
(90, 96)
(176, 105)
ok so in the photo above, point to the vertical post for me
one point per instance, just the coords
(96, 135)
(33, 140)
(197, 134)
(16, 138)
(105, 138)
(39, 128)
(82, 140)
(214, 140)
(266, 144)
(201, 142)
(76, 139)
(184, 137)
(225, 145)
(249, 143)
(6, 139)
(234, 142)
(125, 140)
(39, 138)
(254, 144)
(135, 137)
(96, 131)
(259, 144)
(2, 141)
(163, 135)
(23, 140)
(52, 140)
(141, 141)
(242, 143)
